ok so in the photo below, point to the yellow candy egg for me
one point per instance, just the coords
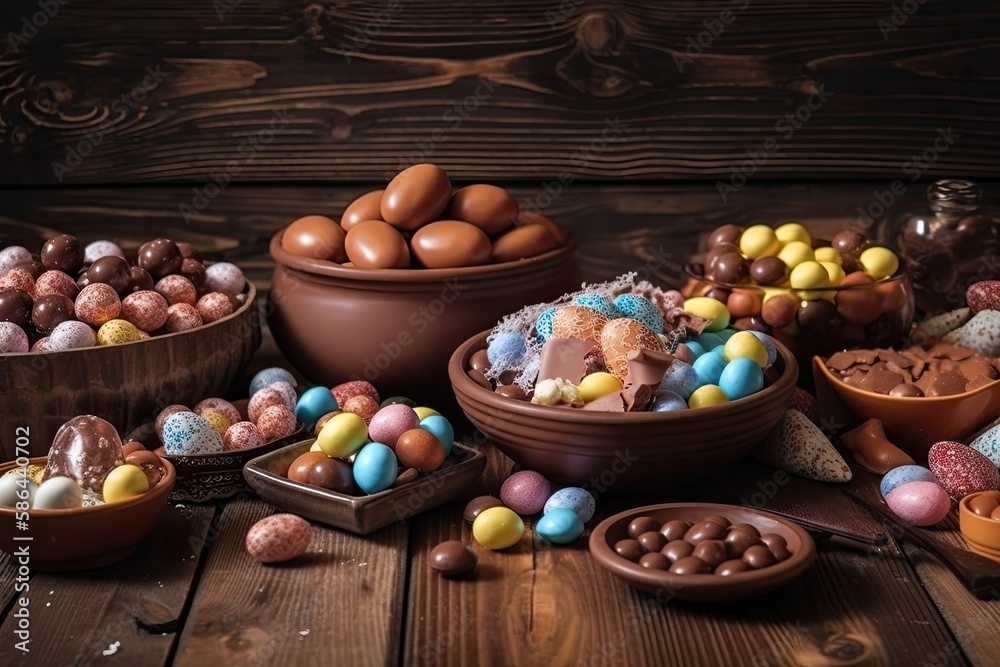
(796, 253)
(806, 277)
(622, 335)
(424, 413)
(218, 421)
(758, 241)
(124, 482)
(745, 344)
(498, 528)
(116, 332)
(879, 263)
(342, 435)
(828, 254)
(578, 322)
(595, 385)
(706, 395)
(315, 446)
(793, 231)
(709, 309)
(835, 272)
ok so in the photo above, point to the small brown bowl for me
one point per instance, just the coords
(86, 537)
(703, 587)
(981, 533)
(915, 423)
(621, 452)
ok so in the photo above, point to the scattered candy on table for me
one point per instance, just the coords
(278, 538)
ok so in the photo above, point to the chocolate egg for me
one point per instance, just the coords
(448, 244)
(769, 271)
(85, 449)
(849, 241)
(730, 268)
(523, 242)
(315, 236)
(640, 525)
(488, 207)
(374, 244)
(477, 505)
(524, 218)
(64, 253)
(724, 234)
(621, 336)
(365, 207)
(862, 304)
(333, 475)
(419, 449)
(452, 558)
(415, 196)
(49, 312)
(16, 308)
(111, 270)
(299, 469)
(160, 257)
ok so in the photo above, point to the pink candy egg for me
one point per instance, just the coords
(214, 306)
(241, 435)
(96, 304)
(391, 422)
(224, 277)
(182, 317)
(146, 309)
(262, 400)
(276, 422)
(920, 503)
(177, 289)
(347, 390)
(12, 338)
(525, 492)
(278, 538)
(961, 469)
(56, 282)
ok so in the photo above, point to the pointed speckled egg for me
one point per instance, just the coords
(578, 322)
(640, 308)
(621, 336)
(599, 303)
(796, 445)
(185, 433)
(961, 470)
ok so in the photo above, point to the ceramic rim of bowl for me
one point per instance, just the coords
(929, 401)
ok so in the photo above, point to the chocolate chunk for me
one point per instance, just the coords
(880, 379)
(978, 383)
(647, 367)
(841, 361)
(895, 368)
(565, 358)
(872, 450)
(865, 356)
(900, 360)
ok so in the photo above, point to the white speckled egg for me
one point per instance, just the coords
(278, 538)
(572, 498)
(58, 493)
(185, 433)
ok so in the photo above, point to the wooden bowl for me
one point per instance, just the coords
(981, 533)
(621, 452)
(124, 384)
(704, 587)
(87, 537)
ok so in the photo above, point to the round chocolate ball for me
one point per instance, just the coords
(713, 552)
(652, 540)
(819, 317)
(334, 475)
(188, 251)
(849, 241)
(15, 307)
(719, 294)
(731, 268)
(194, 270)
(629, 549)
(690, 565)
(654, 561)
(677, 549)
(50, 311)
(111, 270)
(674, 530)
(140, 279)
(759, 556)
(769, 271)
(63, 253)
(643, 524)
(161, 257)
(713, 255)
(724, 234)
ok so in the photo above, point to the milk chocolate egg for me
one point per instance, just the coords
(111, 270)
(374, 244)
(299, 469)
(365, 207)
(448, 244)
(522, 242)
(415, 196)
(161, 257)
(525, 218)
(315, 236)
(16, 307)
(621, 336)
(488, 207)
(419, 449)
(85, 449)
(578, 322)
(64, 253)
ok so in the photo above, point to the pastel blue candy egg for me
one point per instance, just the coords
(988, 444)
(741, 378)
(772, 351)
(572, 498)
(667, 401)
(186, 434)
(904, 474)
(375, 467)
(640, 308)
(543, 325)
(709, 341)
(313, 404)
(680, 378)
(441, 429)
(270, 376)
(696, 348)
(725, 334)
(599, 303)
(506, 349)
(560, 526)
(710, 366)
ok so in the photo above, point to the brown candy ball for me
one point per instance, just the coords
(629, 550)
(419, 449)
(731, 567)
(64, 253)
(738, 541)
(712, 552)
(724, 234)
(16, 307)
(769, 271)
(140, 279)
(675, 530)
(160, 257)
(759, 556)
(730, 268)
(849, 242)
(652, 540)
(690, 565)
(642, 524)
(334, 475)
(705, 530)
(677, 549)
(654, 561)
(49, 312)
(111, 270)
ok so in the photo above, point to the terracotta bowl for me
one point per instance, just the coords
(87, 537)
(981, 533)
(914, 424)
(706, 587)
(125, 384)
(621, 453)
(396, 328)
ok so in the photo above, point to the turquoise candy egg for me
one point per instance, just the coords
(186, 433)
(902, 475)
(572, 498)
(375, 467)
(709, 366)
(772, 351)
(560, 526)
(506, 349)
(441, 429)
(599, 303)
(269, 376)
(696, 349)
(667, 401)
(543, 325)
(680, 378)
(741, 378)
(988, 444)
(313, 404)
(725, 334)
(640, 308)
(709, 341)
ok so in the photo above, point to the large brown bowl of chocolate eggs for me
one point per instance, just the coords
(408, 273)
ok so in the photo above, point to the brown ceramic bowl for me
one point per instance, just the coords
(915, 423)
(88, 537)
(125, 384)
(396, 328)
(704, 587)
(624, 452)
(981, 533)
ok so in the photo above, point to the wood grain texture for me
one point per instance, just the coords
(354, 89)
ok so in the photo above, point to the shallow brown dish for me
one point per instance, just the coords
(361, 514)
(621, 453)
(87, 537)
(125, 384)
(703, 587)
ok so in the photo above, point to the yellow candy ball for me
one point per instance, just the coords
(706, 395)
(342, 435)
(793, 231)
(807, 276)
(116, 332)
(595, 385)
(879, 263)
(218, 421)
(124, 482)
(828, 254)
(315, 447)
(835, 271)
(498, 528)
(758, 241)
(745, 344)
(709, 309)
(424, 413)
(796, 253)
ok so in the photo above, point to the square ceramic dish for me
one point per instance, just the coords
(361, 514)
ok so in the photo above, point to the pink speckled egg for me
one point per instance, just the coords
(287, 391)
(41, 345)
(278, 538)
(17, 279)
(242, 435)
(920, 503)
(961, 470)
(71, 335)
(391, 422)
(164, 413)
(145, 309)
(983, 295)
(525, 492)
(361, 405)
(346, 390)
(219, 405)
(13, 339)
(214, 306)
(11, 256)
(177, 289)
(94, 251)
(96, 304)
(56, 282)
(276, 422)
(224, 277)
(262, 400)
(181, 317)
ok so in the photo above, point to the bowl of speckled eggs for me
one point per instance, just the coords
(86, 330)
(623, 386)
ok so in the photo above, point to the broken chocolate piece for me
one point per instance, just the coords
(565, 358)
(872, 450)
(880, 379)
(646, 367)
(841, 361)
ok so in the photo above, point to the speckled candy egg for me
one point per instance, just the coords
(117, 332)
(177, 289)
(984, 295)
(391, 422)
(680, 378)
(225, 277)
(920, 503)
(181, 317)
(346, 390)
(71, 335)
(185, 433)
(904, 474)
(980, 334)
(218, 421)
(145, 309)
(241, 435)
(361, 405)
(96, 304)
(961, 470)
(599, 303)
(560, 526)
(11, 256)
(17, 279)
(56, 282)
(214, 306)
(506, 349)
(574, 499)
(621, 336)
(278, 538)
(94, 251)
(270, 376)
(287, 392)
(988, 444)
(642, 309)
(525, 492)
(262, 400)
(13, 339)
(275, 422)
(543, 325)
(164, 414)
(41, 345)
(218, 405)
(314, 403)
(578, 322)
(375, 467)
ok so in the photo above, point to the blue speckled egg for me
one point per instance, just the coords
(560, 526)
(186, 433)
(709, 366)
(375, 467)
(599, 303)
(270, 376)
(696, 349)
(506, 348)
(772, 351)
(740, 378)
(572, 498)
(313, 404)
(667, 401)
(904, 474)
(726, 334)
(680, 378)
(543, 325)
(441, 429)
(640, 308)
(988, 444)
(708, 341)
